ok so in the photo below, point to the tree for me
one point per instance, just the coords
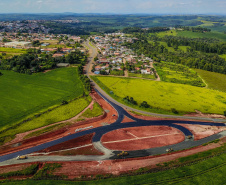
(1, 74)
(225, 113)
(144, 104)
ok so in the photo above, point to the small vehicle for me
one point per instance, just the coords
(169, 150)
(21, 157)
(189, 137)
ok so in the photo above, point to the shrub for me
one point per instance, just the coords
(174, 111)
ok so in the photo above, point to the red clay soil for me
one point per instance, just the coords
(88, 150)
(13, 168)
(80, 141)
(202, 131)
(139, 138)
(76, 169)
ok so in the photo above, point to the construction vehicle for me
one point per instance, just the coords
(21, 157)
(122, 154)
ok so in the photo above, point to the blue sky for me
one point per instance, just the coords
(115, 6)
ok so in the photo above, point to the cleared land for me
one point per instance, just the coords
(139, 138)
(214, 80)
(23, 95)
(163, 95)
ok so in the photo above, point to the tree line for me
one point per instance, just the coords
(206, 61)
(35, 61)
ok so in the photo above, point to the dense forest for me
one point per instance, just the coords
(35, 61)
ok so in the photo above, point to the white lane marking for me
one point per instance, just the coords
(138, 138)
(131, 134)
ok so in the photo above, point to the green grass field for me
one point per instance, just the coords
(95, 112)
(177, 73)
(163, 95)
(142, 76)
(23, 95)
(214, 80)
(207, 172)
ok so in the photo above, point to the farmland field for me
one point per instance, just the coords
(177, 73)
(165, 96)
(214, 80)
(12, 50)
(60, 113)
(23, 95)
(190, 34)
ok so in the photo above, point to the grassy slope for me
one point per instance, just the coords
(95, 112)
(214, 35)
(214, 80)
(61, 113)
(208, 172)
(165, 96)
(22, 94)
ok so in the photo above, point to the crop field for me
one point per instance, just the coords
(12, 50)
(214, 80)
(165, 96)
(23, 95)
(177, 73)
(61, 113)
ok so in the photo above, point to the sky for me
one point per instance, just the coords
(115, 6)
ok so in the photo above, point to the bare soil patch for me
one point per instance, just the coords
(139, 138)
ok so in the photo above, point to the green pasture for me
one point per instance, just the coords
(190, 34)
(177, 73)
(164, 95)
(165, 33)
(213, 35)
(214, 80)
(209, 172)
(23, 95)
